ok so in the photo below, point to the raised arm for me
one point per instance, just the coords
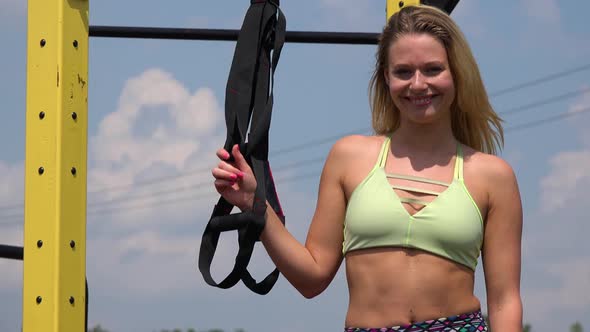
(502, 249)
(311, 267)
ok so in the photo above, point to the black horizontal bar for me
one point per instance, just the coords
(313, 37)
(11, 252)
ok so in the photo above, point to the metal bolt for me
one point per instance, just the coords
(72, 244)
(43, 42)
(75, 43)
(41, 115)
(73, 170)
(71, 300)
(74, 115)
(41, 170)
(401, 4)
(39, 244)
(39, 299)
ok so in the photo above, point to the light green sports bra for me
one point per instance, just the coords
(450, 226)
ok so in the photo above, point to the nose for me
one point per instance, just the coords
(418, 82)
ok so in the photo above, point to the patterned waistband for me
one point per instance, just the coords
(468, 322)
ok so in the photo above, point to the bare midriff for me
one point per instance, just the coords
(397, 286)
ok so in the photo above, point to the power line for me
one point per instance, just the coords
(545, 102)
(167, 191)
(203, 184)
(325, 140)
(175, 190)
(540, 80)
(554, 118)
(120, 205)
(18, 219)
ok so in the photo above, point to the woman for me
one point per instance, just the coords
(411, 208)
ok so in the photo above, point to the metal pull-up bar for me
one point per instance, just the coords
(312, 37)
(11, 252)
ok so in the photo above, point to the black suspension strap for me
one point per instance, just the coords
(248, 105)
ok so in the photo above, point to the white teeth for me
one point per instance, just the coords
(421, 101)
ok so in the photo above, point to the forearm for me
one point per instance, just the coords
(292, 258)
(506, 316)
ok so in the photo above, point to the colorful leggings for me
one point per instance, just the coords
(469, 322)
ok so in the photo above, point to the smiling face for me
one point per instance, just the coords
(419, 79)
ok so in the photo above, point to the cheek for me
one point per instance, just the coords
(396, 88)
(447, 86)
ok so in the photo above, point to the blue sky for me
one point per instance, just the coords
(155, 111)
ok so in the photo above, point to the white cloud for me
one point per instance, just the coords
(570, 171)
(569, 176)
(160, 129)
(556, 239)
(148, 263)
(12, 188)
(11, 276)
(568, 293)
(11, 221)
(583, 102)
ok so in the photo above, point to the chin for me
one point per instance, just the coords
(426, 116)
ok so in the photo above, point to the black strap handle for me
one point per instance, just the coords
(249, 101)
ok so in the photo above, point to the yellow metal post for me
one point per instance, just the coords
(394, 6)
(55, 166)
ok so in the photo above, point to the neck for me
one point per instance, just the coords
(433, 138)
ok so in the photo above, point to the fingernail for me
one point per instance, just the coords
(241, 175)
(234, 177)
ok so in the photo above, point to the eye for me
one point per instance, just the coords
(402, 72)
(434, 70)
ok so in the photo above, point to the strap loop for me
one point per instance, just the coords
(248, 102)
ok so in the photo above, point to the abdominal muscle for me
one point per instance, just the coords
(397, 286)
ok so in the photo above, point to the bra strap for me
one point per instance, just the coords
(459, 163)
(384, 152)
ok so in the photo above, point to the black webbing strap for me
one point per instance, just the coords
(248, 102)
(445, 5)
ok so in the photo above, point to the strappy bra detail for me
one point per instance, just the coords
(450, 226)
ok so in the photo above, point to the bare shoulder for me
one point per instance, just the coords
(489, 168)
(355, 147)
(351, 158)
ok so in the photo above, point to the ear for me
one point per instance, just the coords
(386, 76)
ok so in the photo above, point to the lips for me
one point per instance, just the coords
(421, 100)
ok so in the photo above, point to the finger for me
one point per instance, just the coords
(230, 169)
(222, 174)
(239, 158)
(223, 184)
(222, 154)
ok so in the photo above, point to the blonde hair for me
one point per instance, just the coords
(474, 122)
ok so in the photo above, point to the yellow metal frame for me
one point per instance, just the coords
(394, 6)
(55, 166)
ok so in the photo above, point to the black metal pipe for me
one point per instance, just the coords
(313, 37)
(11, 252)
